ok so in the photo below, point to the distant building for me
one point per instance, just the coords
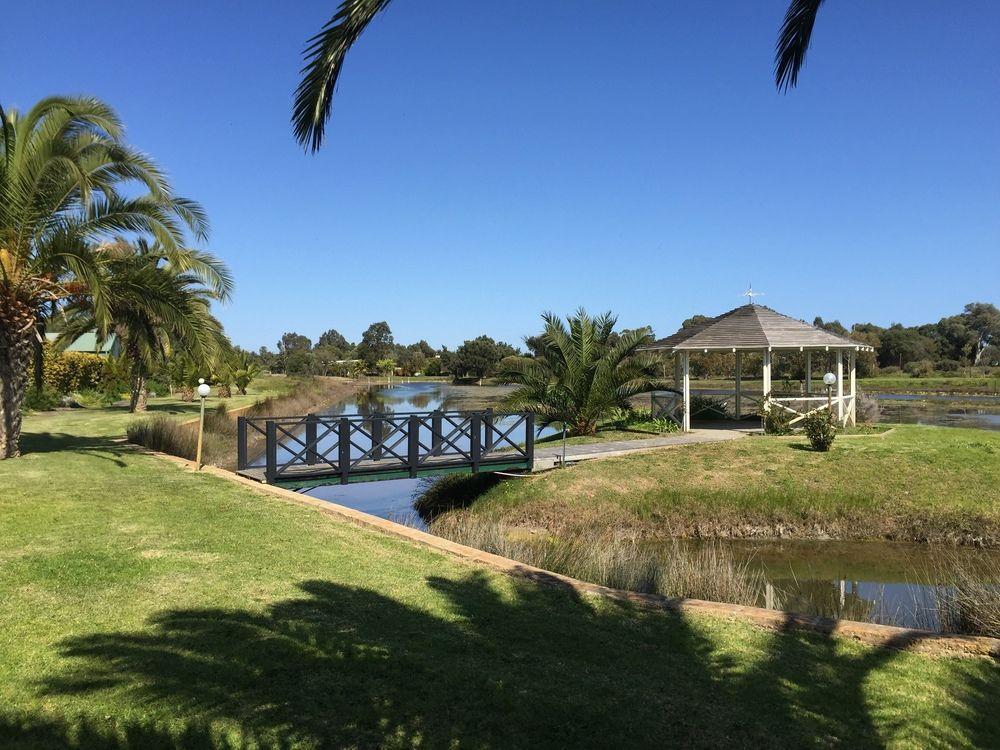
(89, 344)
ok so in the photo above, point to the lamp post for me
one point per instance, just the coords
(203, 391)
(829, 380)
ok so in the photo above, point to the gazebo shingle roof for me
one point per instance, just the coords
(753, 327)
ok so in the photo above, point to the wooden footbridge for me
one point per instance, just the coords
(315, 450)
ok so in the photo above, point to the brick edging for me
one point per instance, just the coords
(885, 636)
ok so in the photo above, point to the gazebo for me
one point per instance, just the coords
(759, 329)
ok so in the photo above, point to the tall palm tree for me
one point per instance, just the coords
(155, 303)
(325, 52)
(67, 182)
(584, 372)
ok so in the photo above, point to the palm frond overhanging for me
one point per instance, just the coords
(584, 372)
(68, 183)
(325, 52)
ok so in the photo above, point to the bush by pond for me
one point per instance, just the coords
(820, 430)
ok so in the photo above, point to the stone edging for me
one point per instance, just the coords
(885, 636)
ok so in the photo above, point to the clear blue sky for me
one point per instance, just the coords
(489, 160)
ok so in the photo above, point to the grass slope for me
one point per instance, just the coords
(916, 483)
(146, 606)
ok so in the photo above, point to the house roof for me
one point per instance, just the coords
(753, 327)
(88, 343)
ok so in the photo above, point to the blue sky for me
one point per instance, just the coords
(491, 160)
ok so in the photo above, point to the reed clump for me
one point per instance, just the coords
(969, 600)
(618, 559)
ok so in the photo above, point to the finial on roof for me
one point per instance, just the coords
(750, 294)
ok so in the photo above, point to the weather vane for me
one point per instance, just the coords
(750, 294)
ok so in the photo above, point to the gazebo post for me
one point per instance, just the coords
(767, 374)
(853, 411)
(686, 368)
(840, 386)
(809, 372)
(678, 382)
(739, 388)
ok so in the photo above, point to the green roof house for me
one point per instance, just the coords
(89, 344)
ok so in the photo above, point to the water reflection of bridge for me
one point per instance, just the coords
(315, 450)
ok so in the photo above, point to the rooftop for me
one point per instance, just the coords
(754, 327)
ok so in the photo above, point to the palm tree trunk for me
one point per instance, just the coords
(139, 393)
(15, 360)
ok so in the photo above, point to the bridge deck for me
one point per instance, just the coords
(304, 476)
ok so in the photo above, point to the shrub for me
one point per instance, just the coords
(920, 368)
(949, 365)
(66, 372)
(92, 398)
(889, 370)
(41, 400)
(776, 419)
(820, 429)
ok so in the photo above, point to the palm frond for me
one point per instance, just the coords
(324, 59)
(793, 42)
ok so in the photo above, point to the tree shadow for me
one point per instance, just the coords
(505, 666)
(57, 442)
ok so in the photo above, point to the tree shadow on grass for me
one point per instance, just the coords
(533, 667)
(56, 442)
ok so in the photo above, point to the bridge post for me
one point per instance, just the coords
(271, 452)
(488, 435)
(344, 448)
(377, 423)
(475, 441)
(436, 434)
(241, 443)
(312, 455)
(529, 440)
(413, 444)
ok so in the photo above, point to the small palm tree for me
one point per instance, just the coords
(67, 183)
(156, 303)
(584, 372)
(325, 52)
(358, 368)
(387, 367)
(245, 370)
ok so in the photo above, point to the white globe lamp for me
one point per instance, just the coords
(203, 388)
(830, 380)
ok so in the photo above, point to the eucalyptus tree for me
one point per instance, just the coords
(68, 181)
(325, 53)
(156, 303)
(581, 373)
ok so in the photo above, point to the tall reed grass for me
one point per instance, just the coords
(612, 559)
(969, 600)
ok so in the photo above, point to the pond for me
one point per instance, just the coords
(890, 583)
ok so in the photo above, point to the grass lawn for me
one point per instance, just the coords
(146, 606)
(915, 483)
(75, 424)
(602, 436)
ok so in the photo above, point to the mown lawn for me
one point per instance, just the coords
(915, 483)
(146, 606)
(112, 421)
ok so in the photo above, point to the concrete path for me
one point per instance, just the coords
(549, 455)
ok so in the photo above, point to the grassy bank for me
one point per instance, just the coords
(914, 484)
(146, 606)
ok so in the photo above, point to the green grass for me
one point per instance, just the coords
(915, 483)
(146, 606)
(602, 436)
(111, 421)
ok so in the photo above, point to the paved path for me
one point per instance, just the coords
(549, 455)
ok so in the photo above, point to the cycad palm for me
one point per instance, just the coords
(583, 373)
(67, 181)
(155, 304)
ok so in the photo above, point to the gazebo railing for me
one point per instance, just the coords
(811, 405)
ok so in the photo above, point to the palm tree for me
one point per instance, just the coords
(67, 182)
(584, 372)
(155, 303)
(325, 52)
(245, 370)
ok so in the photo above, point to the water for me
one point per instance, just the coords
(882, 582)
(885, 582)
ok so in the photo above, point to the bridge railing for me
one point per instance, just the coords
(411, 442)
